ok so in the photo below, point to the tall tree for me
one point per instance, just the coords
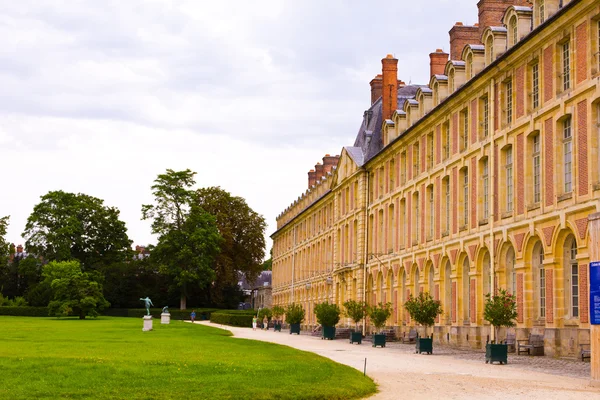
(67, 226)
(189, 239)
(4, 245)
(243, 232)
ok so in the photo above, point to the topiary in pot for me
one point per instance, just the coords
(328, 315)
(500, 310)
(423, 309)
(278, 312)
(379, 315)
(355, 310)
(294, 315)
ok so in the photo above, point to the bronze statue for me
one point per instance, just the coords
(165, 310)
(148, 303)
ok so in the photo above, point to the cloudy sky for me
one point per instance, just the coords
(99, 97)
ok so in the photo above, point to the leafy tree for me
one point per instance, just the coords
(355, 310)
(267, 265)
(243, 247)
(327, 314)
(423, 308)
(278, 311)
(265, 312)
(500, 310)
(379, 314)
(74, 291)
(294, 313)
(189, 239)
(67, 226)
(4, 246)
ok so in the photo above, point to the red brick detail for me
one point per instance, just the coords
(436, 260)
(520, 78)
(549, 296)
(408, 219)
(395, 267)
(454, 302)
(438, 144)
(496, 213)
(583, 294)
(454, 200)
(549, 160)
(423, 150)
(420, 262)
(472, 309)
(453, 253)
(473, 210)
(519, 241)
(454, 143)
(496, 244)
(548, 232)
(409, 163)
(582, 143)
(581, 52)
(520, 175)
(548, 78)
(520, 298)
(436, 296)
(460, 36)
(472, 248)
(407, 265)
(496, 107)
(474, 122)
(422, 197)
(582, 225)
(396, 226)
(438, 203)
(421, 288)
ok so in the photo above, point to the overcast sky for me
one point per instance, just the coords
(99, 97)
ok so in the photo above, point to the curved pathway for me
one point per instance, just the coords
(402, 374)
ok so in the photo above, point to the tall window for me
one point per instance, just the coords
(571, 270)
(542, 11)
(489, 49)
(451, 81)
(535, 83)
(567, 154)
(465, 197)
(509, 179)
(417, 159)
(486, 189)
(536, 169)
(486, 116)
(402, 223)
(566, 59)
(509, 101)
(431, 216)
(487, 276)
(512, 25)
(417, 217)
(538, 266)
(447, 292)
(466, 290)
(469, 66)
(446, 137)
(464, 129)
(511, 275)
(447, 202)
(430, 150)
(430, 280)
(416, 278)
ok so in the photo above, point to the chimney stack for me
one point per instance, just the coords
(460, 36)
(312, 178)
(492, 11)
(389, 91)
(328, 163)
(318, 171)
(437, 62)
(376, 85)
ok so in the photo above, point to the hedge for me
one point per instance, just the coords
(25, 311)
(201, 313)
(232, 318)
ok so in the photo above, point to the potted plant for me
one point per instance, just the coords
(378, 315)
(355, 310)
(265, 312)
(278, 311)
(328, 315)
(294, 315)
(423, 309)
(500, 310)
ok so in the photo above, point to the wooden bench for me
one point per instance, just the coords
(411, 338)
(534, 346)
(585, 351)
(511, 340)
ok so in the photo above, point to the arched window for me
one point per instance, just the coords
(487, 275)
(466, 297)
(403, 291)
(469, 66)
(380, 287)
(539, 273)
(510, 274)
(447, 292)
(416, 282)
(513, 31)
(451, 81)
(489, 49)
(571, 277)
(430, 280)
(390, 287)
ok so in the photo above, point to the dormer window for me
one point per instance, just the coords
(513, 31)
(541, 11)
(469, 66)
(489, 50)
(451, 81)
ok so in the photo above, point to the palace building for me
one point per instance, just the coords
(482, 179)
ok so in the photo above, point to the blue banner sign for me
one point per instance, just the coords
(595, 292)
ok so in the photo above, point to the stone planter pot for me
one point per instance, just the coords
(424, 345)
(379, 340)
(295, 328)
(356, 337)
(496, 352)
(328, 332)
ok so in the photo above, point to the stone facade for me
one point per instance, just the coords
(482, 179)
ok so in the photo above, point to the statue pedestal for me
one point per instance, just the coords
(165, 318)
(147, 323)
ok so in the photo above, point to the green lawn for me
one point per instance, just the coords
(109, 357)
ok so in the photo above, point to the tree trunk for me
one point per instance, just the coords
(81, 315)
(182, 302)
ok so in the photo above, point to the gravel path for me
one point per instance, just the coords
(448, 373)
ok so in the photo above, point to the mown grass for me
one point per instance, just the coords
(111, 358)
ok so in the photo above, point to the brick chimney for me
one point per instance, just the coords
(329, 162)
(491, 11)
(312, 178)
(460, 36)
(389, 92)
(376, 85)
(437, 62)
(318, 171)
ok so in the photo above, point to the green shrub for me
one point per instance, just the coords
(327, 314)
(500, 309)
(18, 301)
(265, 312)
(355, 310)
(278, 312)
(155, 312)
(423, 308)
(379, 314)
(24, 311)
(242, 319)
(294, 314)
